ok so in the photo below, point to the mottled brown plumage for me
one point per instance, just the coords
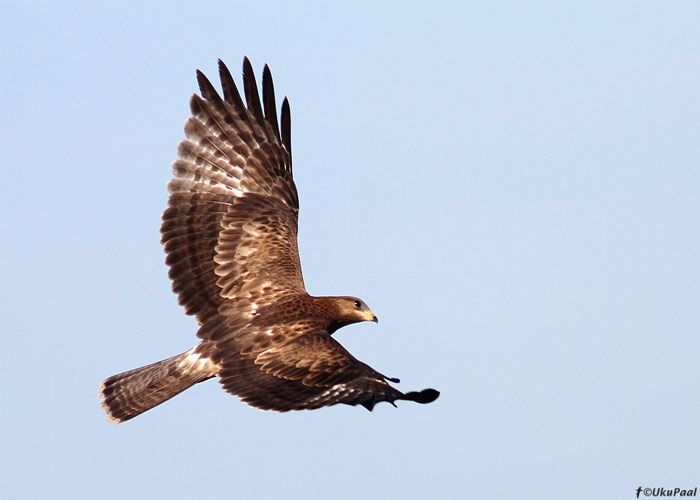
(230, 235)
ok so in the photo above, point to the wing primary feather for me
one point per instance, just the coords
(231, 94)
(423, 397)
(287, 128)
(250, 87)
(269, 100)
(206, 88)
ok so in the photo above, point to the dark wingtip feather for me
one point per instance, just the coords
(371, 403)
(423, 397)
(231, 94)
(206, 88)
(287, 127)
(195, 106)
(250, 87)
(269, 100)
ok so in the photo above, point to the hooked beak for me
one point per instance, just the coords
(370, 316)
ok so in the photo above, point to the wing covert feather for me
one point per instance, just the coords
(295, 366)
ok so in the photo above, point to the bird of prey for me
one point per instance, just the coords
(230, 235)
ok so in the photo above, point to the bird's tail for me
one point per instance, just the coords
(131, 393)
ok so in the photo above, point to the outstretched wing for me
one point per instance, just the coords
(231, 225)
(299, 366)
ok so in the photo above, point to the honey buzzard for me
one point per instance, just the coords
(230, 235)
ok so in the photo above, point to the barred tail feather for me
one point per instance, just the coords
(131, 393)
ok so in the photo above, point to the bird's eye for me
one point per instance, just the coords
(357, 303)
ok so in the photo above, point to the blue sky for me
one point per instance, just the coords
(514, 189)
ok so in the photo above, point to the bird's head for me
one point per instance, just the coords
(350, 310)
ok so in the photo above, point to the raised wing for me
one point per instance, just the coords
(230, 228)
(298, 366)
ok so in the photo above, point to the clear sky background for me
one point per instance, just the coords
(514, 189)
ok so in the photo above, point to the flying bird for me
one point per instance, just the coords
(230, 236)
